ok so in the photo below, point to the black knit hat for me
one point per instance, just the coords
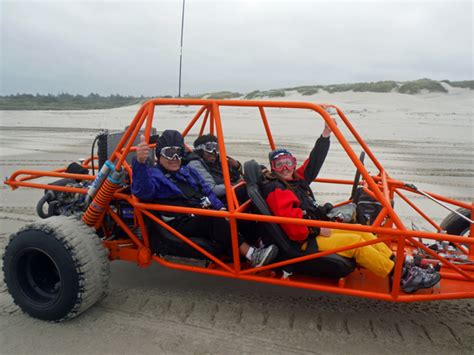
(278, 152)
(169, 138)
(204, 139)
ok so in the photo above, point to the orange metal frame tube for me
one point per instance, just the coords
(204, 122)
(382, 187)
(267, 128)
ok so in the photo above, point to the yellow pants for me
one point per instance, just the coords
(375, 257)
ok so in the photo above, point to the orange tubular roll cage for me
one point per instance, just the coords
(457, 282)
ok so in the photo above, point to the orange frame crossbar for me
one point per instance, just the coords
(457, 279)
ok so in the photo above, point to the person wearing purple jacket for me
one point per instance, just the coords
(170, 183)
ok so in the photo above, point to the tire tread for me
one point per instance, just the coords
(88, 254)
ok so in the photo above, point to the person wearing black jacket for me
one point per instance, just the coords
(285, 186)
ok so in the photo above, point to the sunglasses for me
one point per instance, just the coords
(283, 161)
(171, 153)
(209, 147)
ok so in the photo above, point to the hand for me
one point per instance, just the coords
(142, 150)
(327, 131)
(325, 232)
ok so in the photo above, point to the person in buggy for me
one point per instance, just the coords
(170, 183)
(206, 160)
(287, 192)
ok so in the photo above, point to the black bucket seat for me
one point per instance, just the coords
(333, 265)
(164, 243)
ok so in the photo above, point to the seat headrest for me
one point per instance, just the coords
(252, 173)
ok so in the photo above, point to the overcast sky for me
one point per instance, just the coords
(132, 47)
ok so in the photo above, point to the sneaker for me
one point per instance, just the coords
(416, 278)
(263, 256)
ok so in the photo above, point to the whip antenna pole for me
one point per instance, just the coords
(181, 50)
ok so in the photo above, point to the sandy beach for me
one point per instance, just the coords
(425, 139)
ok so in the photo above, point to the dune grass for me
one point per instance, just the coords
(93, 101)
(219, 95)
(466, 84)
(417, 86)
(260, 94)
(223, 95)
(379, 86)
(65, 102)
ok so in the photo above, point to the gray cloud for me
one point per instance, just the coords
(133, 47)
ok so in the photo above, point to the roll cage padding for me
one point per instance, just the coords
(333, 265)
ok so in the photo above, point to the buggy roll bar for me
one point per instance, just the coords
(380, 186)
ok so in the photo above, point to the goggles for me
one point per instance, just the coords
(283, 161)
(171, 153)
(209, 147)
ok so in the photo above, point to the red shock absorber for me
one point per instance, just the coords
(104, 195)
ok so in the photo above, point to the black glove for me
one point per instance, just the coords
(327, 207)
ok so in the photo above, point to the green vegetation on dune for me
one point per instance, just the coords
(260, 94)
(466, 84)
(223, 95)
(308, 90)
(252, 95)
(219, 95)
(94, 101)
(409, 87)
(65, 102)
(416, 86)
(303, 89)
(379, 86)
(189, 96)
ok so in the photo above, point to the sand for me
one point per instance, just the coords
(423, 139)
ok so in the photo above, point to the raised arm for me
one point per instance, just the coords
(145, 185)
(311, 167)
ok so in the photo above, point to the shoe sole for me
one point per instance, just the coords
(268, 257)
(413, 289)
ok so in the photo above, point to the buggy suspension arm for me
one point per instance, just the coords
(413, 187)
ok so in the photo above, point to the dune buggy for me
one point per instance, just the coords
(58, 267)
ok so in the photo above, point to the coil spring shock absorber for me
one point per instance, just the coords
(103, 197)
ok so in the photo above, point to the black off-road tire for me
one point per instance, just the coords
(453, 224)
(55, 269)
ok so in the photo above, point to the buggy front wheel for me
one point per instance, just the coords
(55, 269)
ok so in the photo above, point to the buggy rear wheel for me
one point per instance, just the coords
(455, 224)
(55, 269)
